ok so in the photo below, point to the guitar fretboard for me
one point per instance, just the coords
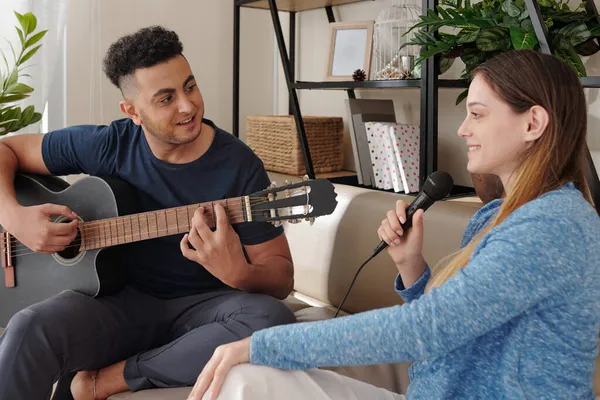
(148, 225)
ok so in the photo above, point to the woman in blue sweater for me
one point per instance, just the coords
(515, 313)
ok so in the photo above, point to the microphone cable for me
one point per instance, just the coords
(354, 280)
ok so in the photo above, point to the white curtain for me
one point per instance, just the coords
(96, 110)
(51, 15)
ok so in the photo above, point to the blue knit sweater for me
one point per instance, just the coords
(520, 321)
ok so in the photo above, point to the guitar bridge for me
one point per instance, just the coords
(6, 259)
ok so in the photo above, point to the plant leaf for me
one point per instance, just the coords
(34, 39)
(472, 56)
(511, 8)
(12, 49)
(27, 115)
(21, 37)
(510, 22)
(5, 61)
(12, 98)
(463, 95)
(30, 54)
(16, 115)
(492, 39)
(19, 88)
(524, 14)
(12, 79)
(572, 59)
(522, 40)
(587, 48)
(37, 117)
(527, 25)
(7, 122)
(22, 21)
(467, 36)
(31, 23)
(575, 33)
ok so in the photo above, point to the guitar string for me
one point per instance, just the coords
(90, 226)
(26, 251)
(15, 252)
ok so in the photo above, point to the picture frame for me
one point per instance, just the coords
(350, 47)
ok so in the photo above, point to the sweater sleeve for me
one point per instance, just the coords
(417, 288)
(516, 266)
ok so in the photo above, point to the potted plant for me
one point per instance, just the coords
(12, 117)
(484, 29)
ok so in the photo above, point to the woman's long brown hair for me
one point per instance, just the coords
(523, 79)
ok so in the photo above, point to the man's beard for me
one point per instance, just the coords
(155, 131)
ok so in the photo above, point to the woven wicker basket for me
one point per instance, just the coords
(275, 141)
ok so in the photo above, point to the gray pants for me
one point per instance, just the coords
(165, 343)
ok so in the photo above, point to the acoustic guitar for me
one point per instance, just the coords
(109, 219)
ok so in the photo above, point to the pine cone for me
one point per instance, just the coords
(359, 75)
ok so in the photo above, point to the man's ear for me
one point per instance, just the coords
(128, 108)
(537, 122)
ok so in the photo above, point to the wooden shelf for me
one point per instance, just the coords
(389, 84)
(296, 5)
(280, 178)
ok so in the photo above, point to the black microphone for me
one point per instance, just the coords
(437, 186)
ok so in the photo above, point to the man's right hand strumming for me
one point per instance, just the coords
(34, 227)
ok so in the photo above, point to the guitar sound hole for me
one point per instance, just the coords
(72, 250)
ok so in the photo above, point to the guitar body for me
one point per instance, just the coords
(92, 272)
(110, 218)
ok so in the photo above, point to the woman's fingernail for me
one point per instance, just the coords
(402, 220)
(397, 241)
(400, 233)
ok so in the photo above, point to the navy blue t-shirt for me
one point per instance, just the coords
(228, 169)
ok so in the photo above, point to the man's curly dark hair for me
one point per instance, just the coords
(145, 48)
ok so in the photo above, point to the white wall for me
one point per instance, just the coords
(206, 29)
(312, 57)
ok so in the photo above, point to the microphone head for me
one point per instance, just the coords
(438, 185)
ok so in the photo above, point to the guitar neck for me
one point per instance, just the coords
(153, 224)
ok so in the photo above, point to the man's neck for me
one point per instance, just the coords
(183, 153)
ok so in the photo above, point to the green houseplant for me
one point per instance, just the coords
(482, 30)
(12, 117)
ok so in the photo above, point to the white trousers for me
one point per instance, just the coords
(254, 382)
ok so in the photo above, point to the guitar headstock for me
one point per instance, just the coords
(294, 202)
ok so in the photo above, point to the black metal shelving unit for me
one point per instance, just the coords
(429, 83)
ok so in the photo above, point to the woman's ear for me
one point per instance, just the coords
(129, 109)
(537, 123)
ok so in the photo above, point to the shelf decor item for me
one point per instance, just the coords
(483, 29)
(274, 139)
(359, 75)
(392, 58)
(350, 45)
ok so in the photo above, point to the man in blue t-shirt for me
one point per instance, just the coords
(185, 295)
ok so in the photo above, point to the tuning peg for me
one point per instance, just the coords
(287, 182)
(311, 220)
(293, 221)
(276, 223)
(273, 185)
(305, 178)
